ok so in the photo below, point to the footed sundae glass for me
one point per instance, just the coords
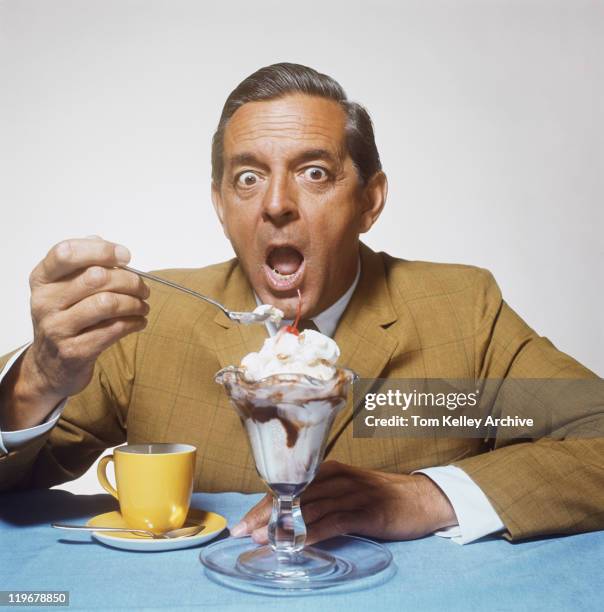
(288, 418)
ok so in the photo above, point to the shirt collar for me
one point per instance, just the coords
(326, 321)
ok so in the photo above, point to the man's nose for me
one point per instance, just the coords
(279, 203)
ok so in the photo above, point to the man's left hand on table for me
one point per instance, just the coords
(346, 499)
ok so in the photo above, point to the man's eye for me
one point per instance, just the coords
(315, 174)
(247, 179)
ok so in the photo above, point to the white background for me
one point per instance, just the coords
(488, 116)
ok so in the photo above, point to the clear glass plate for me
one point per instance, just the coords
(357, 560)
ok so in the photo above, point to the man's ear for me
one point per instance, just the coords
(218, 207)
(374, 199)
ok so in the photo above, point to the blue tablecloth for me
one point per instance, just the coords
(432, 573)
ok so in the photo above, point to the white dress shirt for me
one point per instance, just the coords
(13, 440)
(475, 514)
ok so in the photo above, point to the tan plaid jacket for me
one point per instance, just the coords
(405, 320)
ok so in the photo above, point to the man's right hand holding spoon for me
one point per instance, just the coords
(81, 304)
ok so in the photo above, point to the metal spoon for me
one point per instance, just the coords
(168, 535)
(240, 317)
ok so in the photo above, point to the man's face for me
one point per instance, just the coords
(291, 201)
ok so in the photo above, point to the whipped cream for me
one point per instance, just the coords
(310, 353)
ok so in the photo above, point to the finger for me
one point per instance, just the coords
(329, 487)
(254, 518)
(311, 513)
(71, 255)
(92, 342)
(330, 468)
(83, 283)
(316, 510)
(331, 525)
(339, 523)
(95, 309)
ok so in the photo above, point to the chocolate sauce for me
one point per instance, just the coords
(262, 414)
(266, 409)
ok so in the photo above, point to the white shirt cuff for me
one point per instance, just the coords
(475, 514)
(13, 440)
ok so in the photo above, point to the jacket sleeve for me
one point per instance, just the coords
(552, 483)
(92, 421)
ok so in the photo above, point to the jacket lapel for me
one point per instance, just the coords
(365, 345)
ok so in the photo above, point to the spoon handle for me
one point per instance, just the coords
(88, 528)
(163, 281)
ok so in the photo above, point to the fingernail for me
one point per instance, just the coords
(238, 530)
(122, 254)
(93, 237)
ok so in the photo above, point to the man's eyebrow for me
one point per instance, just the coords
(245, 159)
(312, 154)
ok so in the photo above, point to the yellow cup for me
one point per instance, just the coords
(154, 484)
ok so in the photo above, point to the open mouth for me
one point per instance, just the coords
(284, 267)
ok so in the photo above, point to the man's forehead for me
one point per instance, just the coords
(290, 122)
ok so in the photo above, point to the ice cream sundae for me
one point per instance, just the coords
(287, 395)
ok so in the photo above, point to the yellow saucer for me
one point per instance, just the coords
(214, 524)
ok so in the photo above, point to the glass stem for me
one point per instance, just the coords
(286, 529)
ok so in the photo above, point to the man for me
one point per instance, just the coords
(296, 178)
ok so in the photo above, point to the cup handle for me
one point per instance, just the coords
(101, 472)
